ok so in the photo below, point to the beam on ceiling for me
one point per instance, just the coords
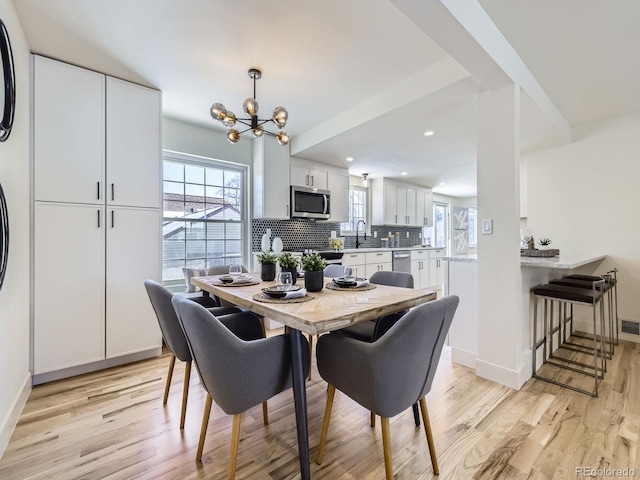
(432, 79)
(467, 33)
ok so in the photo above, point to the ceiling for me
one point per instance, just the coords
(355, 76)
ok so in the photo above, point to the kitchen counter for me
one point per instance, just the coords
(562, 262)
(368, 249)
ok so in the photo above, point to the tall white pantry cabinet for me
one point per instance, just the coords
(97, 217)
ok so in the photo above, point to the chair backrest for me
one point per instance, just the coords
(238, 374)
(222, 269)
(169, 325)
(392, 279)
(334, 271)
(407, 355)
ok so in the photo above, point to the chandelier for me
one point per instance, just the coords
(254, 124)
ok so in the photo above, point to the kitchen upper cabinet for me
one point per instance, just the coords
(133, 250)
(271, 192)
(424, 207)
(393, 203)
(69, 132)
(309, 177)
(338, 185)
(69, 285)
(133, 145)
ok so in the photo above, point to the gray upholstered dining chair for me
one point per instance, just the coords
(391, 374)
(334, 271)
(246, 326)
(374, 329)
(235, 373)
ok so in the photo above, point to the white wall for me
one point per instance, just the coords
(185, 137)
(584, 196)
(15, 379)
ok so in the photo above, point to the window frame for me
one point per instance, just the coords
(367, 212)
(473, 229)
(245, 214)
(445, 221)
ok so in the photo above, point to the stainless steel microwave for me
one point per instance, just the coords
(308, 202)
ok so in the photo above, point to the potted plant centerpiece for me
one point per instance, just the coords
(544, 243)
(288, 263)
(313, 266)
(268, 262)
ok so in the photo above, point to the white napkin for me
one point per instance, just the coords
(297, 294)
(362, 283)
(240, 280)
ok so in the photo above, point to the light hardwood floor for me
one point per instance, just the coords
(112, 424)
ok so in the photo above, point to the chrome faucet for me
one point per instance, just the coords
(358, 242)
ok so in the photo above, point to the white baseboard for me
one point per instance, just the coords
(9, 423)
(463, 357)
(503, 376)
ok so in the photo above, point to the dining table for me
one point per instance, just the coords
(316, 313)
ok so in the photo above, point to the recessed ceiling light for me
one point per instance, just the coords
(428, 133)
(442, 183)
(349, 159)
(404, 173)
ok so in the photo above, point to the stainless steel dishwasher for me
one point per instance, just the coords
(402, 261)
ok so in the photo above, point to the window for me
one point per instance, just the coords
(473, 229)
(357, 209)
(204, 218)
(440, 224)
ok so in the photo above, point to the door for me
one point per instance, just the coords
(133, 255)
(68, 286)
(69, 133)
(133, 145)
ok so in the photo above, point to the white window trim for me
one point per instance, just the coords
(352, 233)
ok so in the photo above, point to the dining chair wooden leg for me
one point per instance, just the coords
(331, 391)
(427, 430)
(310, 354)
(172, 364)
(203, 429)
(185, 392)
(264, 329)
(373, 420)
(235, 441)
(265, 413)
(386, 446)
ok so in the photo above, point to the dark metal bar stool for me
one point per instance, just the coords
(592, 297)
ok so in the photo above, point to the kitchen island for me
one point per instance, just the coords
(462, 280)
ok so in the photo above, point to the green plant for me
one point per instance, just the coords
(313, 263)
(545, 242)
(266, 258)
(287, 260)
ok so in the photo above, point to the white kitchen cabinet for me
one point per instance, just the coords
(378, 262)
(90, 255)
(420, 268)
(132, 254)
(309, 177)
(69, 133)
(354, 260)
(69, 285)
(424, 207)
(134, 174)
(393, 203)
(338, 185)
(271, 191)
(436, 268)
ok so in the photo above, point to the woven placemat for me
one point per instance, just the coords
(264, 298)
(333, 286)
(218, 283)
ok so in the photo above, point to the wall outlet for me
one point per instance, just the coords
(407, 234)
(375, 234)
(419, 234)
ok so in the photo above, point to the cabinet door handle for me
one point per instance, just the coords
(113, 192)
(353, 256)
(396, 219)
(98, 218)
(306, 180)
(287, 210)
(98, 190)
(112, 218)
(312, 180)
